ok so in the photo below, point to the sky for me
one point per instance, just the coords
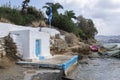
(104, 13)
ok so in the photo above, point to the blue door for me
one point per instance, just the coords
(37, 51)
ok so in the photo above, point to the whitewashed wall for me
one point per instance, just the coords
(5, 28)
(25, 38)
(21, 38)
(50, 31)
(4, 31)
(26, 43)
(45, 44)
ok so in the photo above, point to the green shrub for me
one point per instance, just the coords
(15, 16)
(64, 23)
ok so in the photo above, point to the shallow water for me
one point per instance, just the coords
(118, 44)
(98, 69)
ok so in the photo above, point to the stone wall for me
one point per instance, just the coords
(49, 75)
(8, 48)
(2, 47)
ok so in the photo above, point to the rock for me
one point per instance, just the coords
(75, 49)
(71, 39)
(70, 44)
(94, 55)
(11, 48)
(38, 24)
(63, 32)
(82, 50)
(31, 72)
(42, 24)
(35, 24)
(2, 47)
(59, 46)
(4, 20)
(84, 60)
(57, 36)
(81, 43)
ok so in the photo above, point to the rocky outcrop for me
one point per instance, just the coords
(11, 48)
(71, 39)
(2, 53)
(2, 47)
(8, 52)
(38, 24)
(4, 20)
(81, 49)
(70, 45)
(59, 46)
(42, 24)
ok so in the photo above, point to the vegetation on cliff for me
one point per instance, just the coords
(26, 15)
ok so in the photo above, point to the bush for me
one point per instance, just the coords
(15, 16)
(64, 23)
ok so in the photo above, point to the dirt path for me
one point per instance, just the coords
(10, 71)
(98, 69)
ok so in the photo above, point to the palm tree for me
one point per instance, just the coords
(70, 14)
(25, 4)
(55, 8)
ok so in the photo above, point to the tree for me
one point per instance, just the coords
(63, 23)
(25, 5)
(70, 14)
(93, 31)
(55, 8)
(87, 27)
(36, 13)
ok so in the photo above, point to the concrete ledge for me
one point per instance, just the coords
(65, 65)
(70, 62)
(40, 65)
(43, 74)
(68, 72)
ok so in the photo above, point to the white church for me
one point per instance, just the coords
(31, 42)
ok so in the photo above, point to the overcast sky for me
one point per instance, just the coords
(105, 13)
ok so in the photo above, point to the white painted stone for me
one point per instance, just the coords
(25, 41)
(50, 31)
(25, 36)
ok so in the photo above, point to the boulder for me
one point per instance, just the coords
(81, 49)
(2, 48)
(95, 55)
(71, 39)
(38, 24)
(42, 24)
(59, 46)
(4, 20)
(35, 24)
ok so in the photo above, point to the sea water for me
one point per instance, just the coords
(98, 69)
(118, 44)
